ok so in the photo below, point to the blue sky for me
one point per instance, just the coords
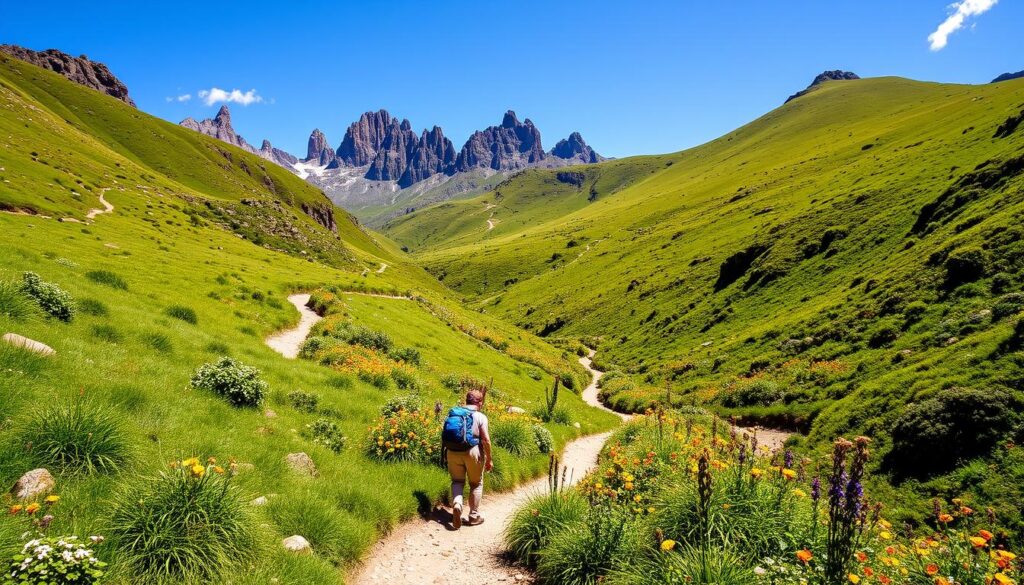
(633, 77)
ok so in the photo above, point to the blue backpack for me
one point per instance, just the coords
(457, 434)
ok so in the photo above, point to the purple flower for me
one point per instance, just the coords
(815, 489)
(789, 458)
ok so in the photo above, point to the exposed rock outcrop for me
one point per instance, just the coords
(393, 152)
(28, 344)
(276, 155)
(836, 75)
(575, 149)
(363, 138)
(434, 154)
(1008, 76)
(318, 150)
(79, 69)
(513, 145)
(220, 127)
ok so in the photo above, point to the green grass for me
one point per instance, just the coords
(126, 355)
(872, 225)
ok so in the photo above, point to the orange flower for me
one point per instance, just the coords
(945, 518)
(978, 542)
(32, 508)
(804, 555)
(862, 556)
(985, 534)
(932, 569)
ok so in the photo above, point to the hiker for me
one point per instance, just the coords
(468, 445)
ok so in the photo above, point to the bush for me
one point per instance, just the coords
(405, 379)
(534, 524)
(580, 554)
(406, 402)
(883, 334)
(937, 433)
(1008, 306)
(314, 345)
(542, 436)
(409, 355)
(379, 380)
(326, 432)
(403, 436)
(76, 437)
(515, 436)
(182, 313)
(239, 383)
(189, 524)
(14, 303)
(367, 337)
(52, 299)
(55, 560)
(107, 278)
(965, 265)
(914, 311)
(303, 401)
(752, 393)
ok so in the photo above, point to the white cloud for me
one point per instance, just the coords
(216, 94)
(181, 98)
(961, 10)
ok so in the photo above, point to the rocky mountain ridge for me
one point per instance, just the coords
(81, 70)
(834, 75)
(1008, 76)
(220, 127)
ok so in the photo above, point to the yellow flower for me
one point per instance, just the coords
(32, 508)
(804, 555)
(756, 472)
(853, 578)
(885, 535)
(628, 486)
(15, 509)
(650, 510)
(667, 545)
(1002, 579)
(1005, 554)
(799, 493)
(218, 469)
(190, 462)
(198, 470)
(977, 541)
(52, 499)
(788, 474)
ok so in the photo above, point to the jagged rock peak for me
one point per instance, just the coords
(318, 150)
(513, 145)
(219, 127)
(1008, 76)
(834, 75)
(363, 138)
(576, 149)
(81, 70)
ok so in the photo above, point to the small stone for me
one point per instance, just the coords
(269, 413)
(705, 344)
(33, 484)
(260, 501)
(28, 344)
(297, 544)
(301, 463)
(952, 340)
(576, 425)
(515, 410)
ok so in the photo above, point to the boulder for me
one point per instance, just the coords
(301, 463)
(297, 544)
(28, 344)
(33, 484)
(515, 410)
(260, 501)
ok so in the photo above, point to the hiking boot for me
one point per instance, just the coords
(457, 516)
(475, 520)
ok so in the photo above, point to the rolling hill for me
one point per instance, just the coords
(848, 263)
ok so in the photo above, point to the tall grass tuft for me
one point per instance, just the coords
(14, 303)
(188, 525)
(76, 437)
(182, 313)
(516, 436)
(534, 524)
(107, 278)
(582, 553)
(332, 533)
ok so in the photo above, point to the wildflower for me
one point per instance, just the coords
(32, 508)
(932, 569)
(985, 534)
(862, 556)
(945, 518)
(52, 499)
(667, 545)
(853, 578)
(197, 470)
(799, 493)
(885, 535)
(789, 474)
(1002, 579)
(756, 473)
(804, 555)
(15, 509)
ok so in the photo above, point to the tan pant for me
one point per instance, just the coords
(463, 465)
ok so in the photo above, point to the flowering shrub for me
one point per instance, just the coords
(55, 560)
(403, 436)
(51, 298)
(239, 383)
(542, 436)
(326, 432)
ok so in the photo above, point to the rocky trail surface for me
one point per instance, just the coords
(107, 206)
(428, 551)
(288, 342)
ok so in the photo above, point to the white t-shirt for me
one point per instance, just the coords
(479, 422)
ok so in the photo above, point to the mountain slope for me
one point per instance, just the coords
(829, 266)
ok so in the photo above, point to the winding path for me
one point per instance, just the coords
(427, 551)
(107, 206)
(289, 341)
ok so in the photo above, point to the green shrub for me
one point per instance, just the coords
(55, 560)
(1008, 306)
(752, 393)
(1001, 282)
(326, 432)
(107, 278)
(534, 524)
(965, 265)
(955, 424)
(240, 384)
(303, 401)
(542, 436)
(515, 436)
(182, 313)
(379, 380)
(406, 402)
(76, 437)
(534, 374)
(14, 303)
(93, 307)
(314, 345)
(914, 311)
(52, 299)
(190, 524)
(404, 379)
(451, 381)
(409, 355)
(561, 416)
(366, 337)
(883, 334)
(158, 342)
(582, 553)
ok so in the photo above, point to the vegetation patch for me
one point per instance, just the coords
(240, 384)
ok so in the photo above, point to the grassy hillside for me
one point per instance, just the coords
(850, 262)
(194, 263)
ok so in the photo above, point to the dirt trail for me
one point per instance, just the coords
(429, 552)
(490, 224)
(288, 342)
(382, 268)
(107, 207)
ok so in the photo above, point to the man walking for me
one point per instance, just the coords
(468, 442)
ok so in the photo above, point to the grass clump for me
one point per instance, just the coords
(93, 307)
(327, 433)
(532, 526)
(182, 313)
(52, 299)
(76, 437)
(107, 278)
(240, 384)
(188, 525)
(14, 303)
(303, 401)
(515, 435)
(333, 533)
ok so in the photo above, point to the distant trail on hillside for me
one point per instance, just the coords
(107, 207)
(426, 551)
(590, 393)
(382, 268)
(289, 341)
